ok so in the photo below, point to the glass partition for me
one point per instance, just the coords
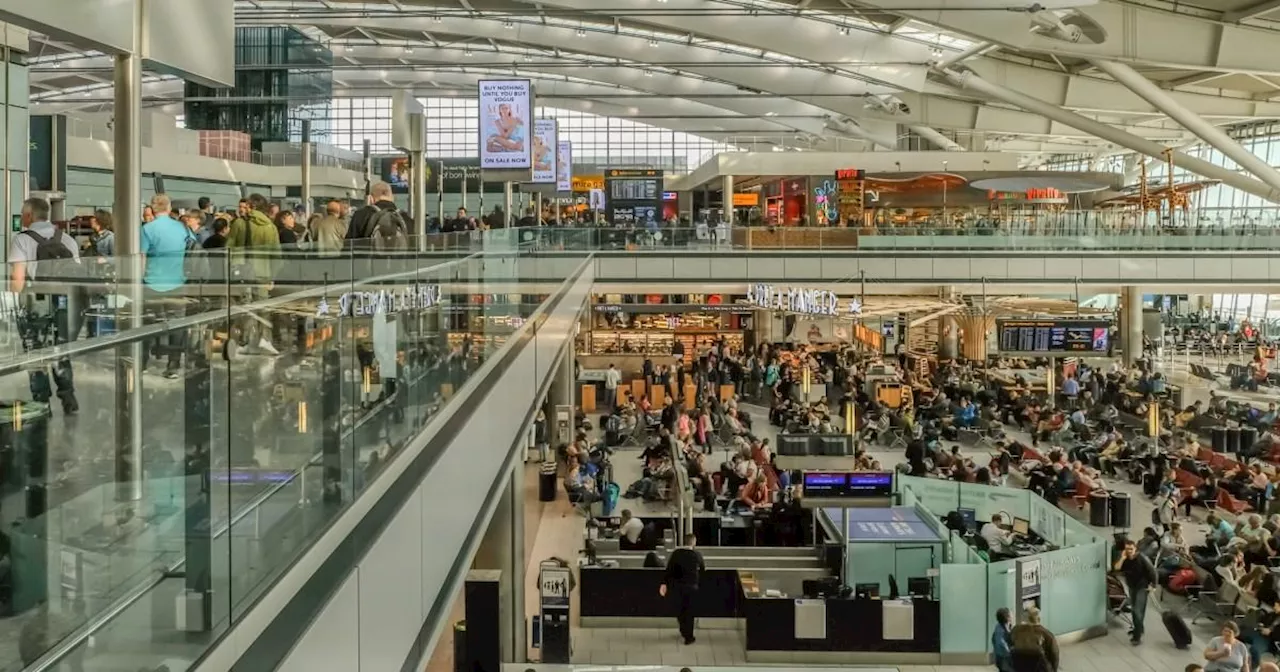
(965, 616)
(215, 438)
(1073, 594)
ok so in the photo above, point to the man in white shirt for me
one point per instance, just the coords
(995, 535)
(611, 379)
(630, 530)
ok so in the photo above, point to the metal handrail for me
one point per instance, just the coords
(129, 336)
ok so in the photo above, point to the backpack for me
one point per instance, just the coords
(386, 229)
(51, 248)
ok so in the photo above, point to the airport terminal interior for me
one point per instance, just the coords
(661, 335)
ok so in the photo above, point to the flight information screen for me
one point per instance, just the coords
(1054, 336)
(848, 484)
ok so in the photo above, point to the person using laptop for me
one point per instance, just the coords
(629, 531)
(997, 538)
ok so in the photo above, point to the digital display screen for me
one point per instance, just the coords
(634, 190)
(1054, 336)
(848, 484)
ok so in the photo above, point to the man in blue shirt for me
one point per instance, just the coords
(164, 243)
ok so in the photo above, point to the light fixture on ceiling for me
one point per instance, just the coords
(408, 49)
(528, 57)
(581, 32)
(653, 43)
(843, 30)
(509, 25)
(466, 52)
(770, 114)
(648, 73)
(382, 74)
(437, 18)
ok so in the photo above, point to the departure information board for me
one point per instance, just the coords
(1046, 337)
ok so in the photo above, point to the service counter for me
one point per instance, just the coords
(623, 597)
(841, 630)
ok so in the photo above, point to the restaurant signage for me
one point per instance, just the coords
(800, 300)
(365, 304)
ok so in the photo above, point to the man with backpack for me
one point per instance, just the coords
(40, 250)
(379, 225)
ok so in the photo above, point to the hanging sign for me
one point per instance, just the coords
(364, 304)
(800, 300)
(545, 149)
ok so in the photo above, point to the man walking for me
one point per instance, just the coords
(1139, 577)
(40, 250)
(684, 571)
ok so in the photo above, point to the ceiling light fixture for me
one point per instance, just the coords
(466, 52)
(843, 30)
(648, 73)
(509, 25)
(437, 18)
(408, 49)
(382, 74)
(653, 43)
(581, 32)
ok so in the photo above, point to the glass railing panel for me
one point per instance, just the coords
(185, 484)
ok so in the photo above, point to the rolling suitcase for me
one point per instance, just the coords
(1176, 625)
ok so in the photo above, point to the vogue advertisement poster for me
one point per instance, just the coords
(505, 108)
(544, 151)
(564, 166)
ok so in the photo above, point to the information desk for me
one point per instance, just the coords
(852, 625)
(610, 593)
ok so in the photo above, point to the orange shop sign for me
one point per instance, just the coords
(588, 182)
(747, 199)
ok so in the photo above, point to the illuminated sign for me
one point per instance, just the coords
(850, 174)
(587, 182)
(800, 300)
(365, 304)
(645, 172)
(747, 199)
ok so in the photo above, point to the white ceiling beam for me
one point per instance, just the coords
(1251, 12)
(1193, 79)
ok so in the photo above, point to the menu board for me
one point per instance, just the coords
(1054, 336)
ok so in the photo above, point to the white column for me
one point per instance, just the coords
(418, 196)
(506, 202)
(726, 183)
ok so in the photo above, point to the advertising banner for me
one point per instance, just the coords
(544, 151)
(564, 166)
(506, 108)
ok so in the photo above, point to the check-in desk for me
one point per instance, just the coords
(834, 630)
(624, 597)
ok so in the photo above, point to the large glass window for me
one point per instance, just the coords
(453, 127)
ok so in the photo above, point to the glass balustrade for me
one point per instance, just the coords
(169, 449)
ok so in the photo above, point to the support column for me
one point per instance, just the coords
(305, 165)
(127, 181)
(975, 329)
(726, 183)
(566, 391)
(948, 337)
(418, 196)
(502, 549)
(1204, 130)
(1131, 323)
(537, 208)
(506, 203)
(1155, 150)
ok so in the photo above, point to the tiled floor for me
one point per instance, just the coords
(560, 534)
